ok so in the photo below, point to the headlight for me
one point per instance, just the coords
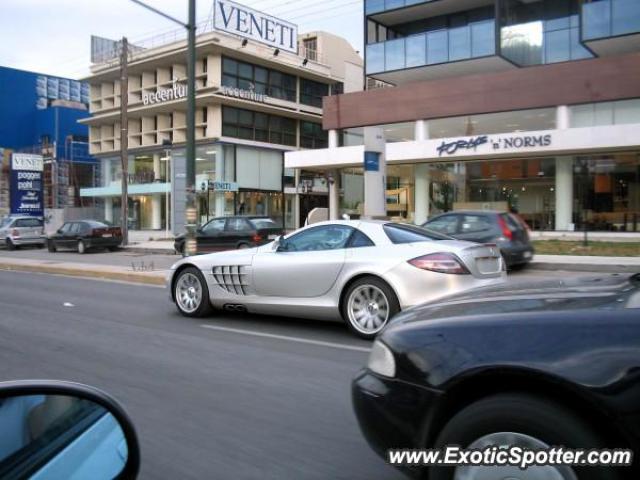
(381, 360)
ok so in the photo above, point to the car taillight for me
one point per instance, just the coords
(257, 238)
(441, 263)
(506, 232)
(15, 232)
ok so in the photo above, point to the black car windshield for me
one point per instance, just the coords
(260, 223)
(405, 233)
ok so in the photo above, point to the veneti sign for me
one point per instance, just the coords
(26, 184)
(243, 21)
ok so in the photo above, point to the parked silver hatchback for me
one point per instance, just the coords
(16, 231)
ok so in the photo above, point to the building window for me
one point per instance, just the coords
(204, 65)
(311, 92)
(246, 76)
(312, 135)
(257, 126)
(311, 48)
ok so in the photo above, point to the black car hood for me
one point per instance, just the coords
(604, 291)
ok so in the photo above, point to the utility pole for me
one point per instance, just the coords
(124, 138)
(190, 210)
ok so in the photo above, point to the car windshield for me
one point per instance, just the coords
(96, 224)
(5, 221)
(405, 233)
(260, 223)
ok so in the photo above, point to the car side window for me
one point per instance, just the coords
(359, 240)
(326, 237)
(447, 224)
(65, 228)
(214, 226)
(21, 222)
(75, 228)
(237, 225)
(475, 224)
(34, 222)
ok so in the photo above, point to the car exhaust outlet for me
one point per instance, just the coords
(235, 308)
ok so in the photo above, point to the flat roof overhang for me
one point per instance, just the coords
(272, 106)
(569, 83)
(573, 141)
(615, 45)
(494, 63)
(427, 9)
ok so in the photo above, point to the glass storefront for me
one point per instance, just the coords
(605, 196)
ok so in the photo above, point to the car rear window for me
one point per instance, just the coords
(5, 221)
(260, 223)
(96, 224)
(405, 233)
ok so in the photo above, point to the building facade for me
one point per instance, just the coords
(528, 105)
(253, 101)
(39, 114)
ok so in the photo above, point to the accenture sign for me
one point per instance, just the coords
(176, 92)
(246, 22)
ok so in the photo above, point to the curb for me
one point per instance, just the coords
(151, 251)
(584, 267)
(134, 277)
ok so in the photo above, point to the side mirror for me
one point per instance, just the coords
(59, 231)
(53, 429)
(280, 244)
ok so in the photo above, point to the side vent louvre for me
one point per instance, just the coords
(232, 278)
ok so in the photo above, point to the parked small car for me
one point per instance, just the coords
(16, 231)
(226, 233)
(504, 229)
(82, 235)
(533, 364)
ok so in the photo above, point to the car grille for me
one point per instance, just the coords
(232, 278)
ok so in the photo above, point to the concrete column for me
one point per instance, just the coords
(564, 192)
(105, 166)
(375, 173)
(157, 168)
(334, 196)
(563, 117)
(108, 209)
(421, 130)
(156, 212)
(422, 185)
(296, 201)
(333, 139)
(219, 176)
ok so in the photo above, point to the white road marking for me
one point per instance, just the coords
(67, 304)
(289, 339)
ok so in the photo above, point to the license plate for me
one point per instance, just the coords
(107, 235)
(527, 255)
(273, 237)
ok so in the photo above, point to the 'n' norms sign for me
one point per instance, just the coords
(240, 20)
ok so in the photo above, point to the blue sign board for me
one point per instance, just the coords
(26, 190)
(371, 161)
(218, 186)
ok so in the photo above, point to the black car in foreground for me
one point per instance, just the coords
(83, 235)
(540, 364)
(507, 230)
(226, 233)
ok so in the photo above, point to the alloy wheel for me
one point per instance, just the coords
(512, 473)
(368, 309)
(188, 292)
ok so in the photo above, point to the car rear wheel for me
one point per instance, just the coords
(368, 305)
(82, 248)
(191, 293)
(51, 246)
(10, 244)
(524, 421)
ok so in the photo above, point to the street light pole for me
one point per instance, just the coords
(190, 211)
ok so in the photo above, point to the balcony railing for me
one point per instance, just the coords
(440, 46)
(377, 6)
(610, 18)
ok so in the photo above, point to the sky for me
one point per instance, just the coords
(54, 36)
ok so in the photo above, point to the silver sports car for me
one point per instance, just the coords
(361, 271)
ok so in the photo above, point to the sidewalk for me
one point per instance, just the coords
(164, 247)
(576, 263)
(86, 270)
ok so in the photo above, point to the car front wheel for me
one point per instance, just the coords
(82, 248)
(51, 246)
(524, 421)
(10, 244)
(368, 305)
(191, 293)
